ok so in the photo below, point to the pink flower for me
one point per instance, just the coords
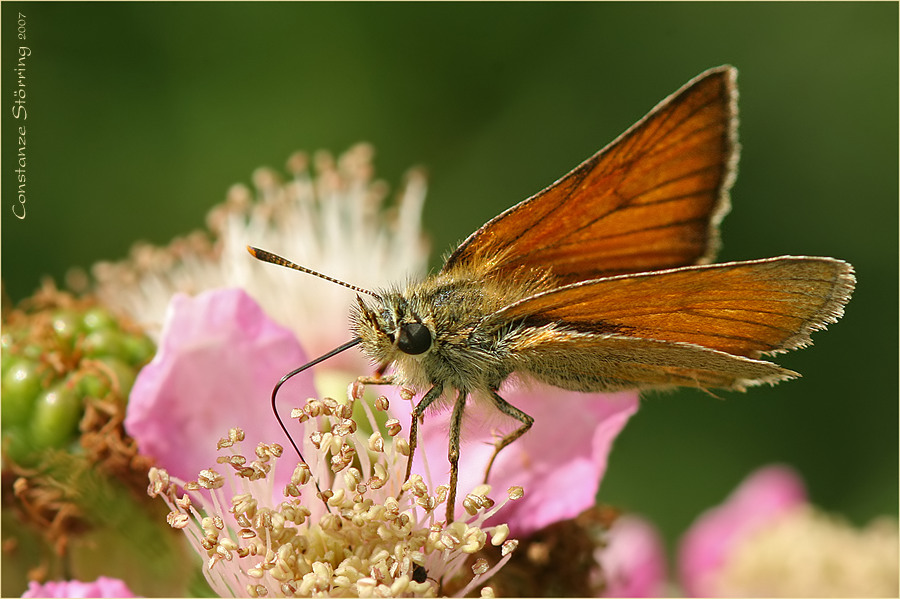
(634, 561)
(220, 356)
(219, 351)
(102, 587)
(764, 495)
(218, 360)
(559, 462)
(765, 540)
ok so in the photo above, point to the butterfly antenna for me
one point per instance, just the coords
(271, 258)
(284, 379)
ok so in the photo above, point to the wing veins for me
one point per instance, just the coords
(627, 203)
(663, 119)
(624, 206)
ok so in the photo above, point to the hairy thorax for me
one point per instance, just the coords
(466, 350)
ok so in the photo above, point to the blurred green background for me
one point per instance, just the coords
(140, 116)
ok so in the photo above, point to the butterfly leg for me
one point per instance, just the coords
(453, 452)
(514, 412)
(417, 412)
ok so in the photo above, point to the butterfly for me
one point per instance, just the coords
(602, 282)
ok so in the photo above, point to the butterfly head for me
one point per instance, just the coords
(391, 331)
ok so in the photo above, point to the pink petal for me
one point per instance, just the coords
(634, 560)
(102, 587)
(559, 462)
(763, 495)
(218, 360)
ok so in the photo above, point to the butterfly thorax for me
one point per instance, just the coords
(440, 330)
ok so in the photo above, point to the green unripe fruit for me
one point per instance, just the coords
(67, 326)
(96, 385)
(97, 382)
(19, 388)
(124, 373)
(139, 349)
(104, 342)
(98, 319)
(56, 415)
(17, 446)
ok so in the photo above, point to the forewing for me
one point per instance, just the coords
(652, 199)
(741, 308)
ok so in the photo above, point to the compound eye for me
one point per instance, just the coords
(414, 338)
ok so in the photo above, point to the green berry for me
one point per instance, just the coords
(104, 342)
(124, 373)
(17, 446)
(97, 319)
(67, 325)
(19, 387)
(97, 382)
(139, 349)
(56, 415)
(94, 385)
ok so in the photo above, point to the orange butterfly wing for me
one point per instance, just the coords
(651, 199)
(741, 308)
